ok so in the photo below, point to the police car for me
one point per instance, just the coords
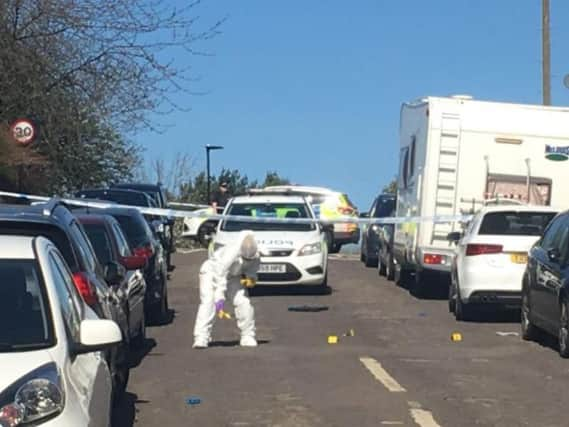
(291, 252)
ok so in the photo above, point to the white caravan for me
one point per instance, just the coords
(457, 154)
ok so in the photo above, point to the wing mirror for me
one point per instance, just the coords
(553, 254)
(97, 335)
(114, 273)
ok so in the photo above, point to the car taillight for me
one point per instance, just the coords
(85, 288)
(144, 251)
(482, 249)
(433, 259)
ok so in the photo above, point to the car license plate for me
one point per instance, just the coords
(272, 268)
(519, 258)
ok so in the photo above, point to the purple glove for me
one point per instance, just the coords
(219, 305)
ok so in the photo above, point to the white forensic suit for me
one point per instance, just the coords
(221, 274)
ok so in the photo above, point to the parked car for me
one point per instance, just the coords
(158, 194)
(52, 373)
(545, 292)
(55, 221)
(386, 259)
(327, 205)
(291, 253)
(382, 206)
(491, 257)
(144, 243)
(112, 249)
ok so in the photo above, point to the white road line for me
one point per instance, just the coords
(423, 418)
(382, 375)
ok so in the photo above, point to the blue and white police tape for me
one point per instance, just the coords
(173, 213)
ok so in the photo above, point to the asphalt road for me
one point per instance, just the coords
(400, 369)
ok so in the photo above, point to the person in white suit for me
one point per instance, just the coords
(229, 270)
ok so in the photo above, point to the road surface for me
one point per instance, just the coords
(400, 368)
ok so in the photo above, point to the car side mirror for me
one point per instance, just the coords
(364, 215)
(454, 237)
(114, 273)
(326, 227)
(134, 262)
(97, 335)
(553, 254)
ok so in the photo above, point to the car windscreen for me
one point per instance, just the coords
(384, 208)
(100, 241)
(134, 230)
(267, 211)
(25, 323)
(512, 223)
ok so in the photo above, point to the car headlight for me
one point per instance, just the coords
(311, 249)
(33, 398)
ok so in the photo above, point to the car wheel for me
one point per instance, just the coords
(381, 267)
(336, 248)
(452, 298)
(564, 329)
(160, 311)
(530, 332)
(462, 311)
(363, 257)
(390, 267)
(329, 237)
(140, 338)
(324, 288)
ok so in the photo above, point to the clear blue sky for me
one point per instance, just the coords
(312, 89)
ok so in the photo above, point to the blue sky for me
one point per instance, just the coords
(313, 88)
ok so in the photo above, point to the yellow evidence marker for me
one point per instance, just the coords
(456, 336)
(248, 282)
(223, 315)
(332, 339)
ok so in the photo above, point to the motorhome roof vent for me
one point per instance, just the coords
(465, 97)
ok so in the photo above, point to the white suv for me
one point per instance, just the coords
(53, 373)
(291, 253)
(490, 259)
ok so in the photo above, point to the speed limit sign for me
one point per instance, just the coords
(23, 131)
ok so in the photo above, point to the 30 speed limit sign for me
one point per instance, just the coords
(23, 131)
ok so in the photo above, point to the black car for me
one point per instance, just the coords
(56, 222)
(112, 248)
(545, 287)
(383, 206)
(158, 194)
(143, 242)
(386, 262)
(123, 197)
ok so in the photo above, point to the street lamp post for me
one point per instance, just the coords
(208, 148)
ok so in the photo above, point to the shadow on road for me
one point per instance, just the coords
(124, 414)
(494, 315)
(138, 354)
(288, 290)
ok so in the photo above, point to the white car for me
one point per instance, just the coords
(291, 253)
(491, 257)
(53, 372)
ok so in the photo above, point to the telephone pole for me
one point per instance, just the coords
(546, 53)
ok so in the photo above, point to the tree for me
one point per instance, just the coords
(391, 187)
(272, 178)
(89, 72)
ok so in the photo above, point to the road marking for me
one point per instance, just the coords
(423, 418)
(382, 375)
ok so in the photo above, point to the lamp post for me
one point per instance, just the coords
(208, 148)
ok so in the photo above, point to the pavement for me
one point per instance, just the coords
(400, 368)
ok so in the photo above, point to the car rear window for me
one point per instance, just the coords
(100, 241)
(268, 211)
(384, 208)
(134, 229)
(123, 198)
(51, 232)
(513, 223)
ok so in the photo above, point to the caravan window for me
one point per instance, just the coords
(412, 161)
(404, 166)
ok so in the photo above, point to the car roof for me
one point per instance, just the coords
(139, 186)
(303, 189)
(519, 208)
(16, 247)
(268, 199)
(27, 213)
